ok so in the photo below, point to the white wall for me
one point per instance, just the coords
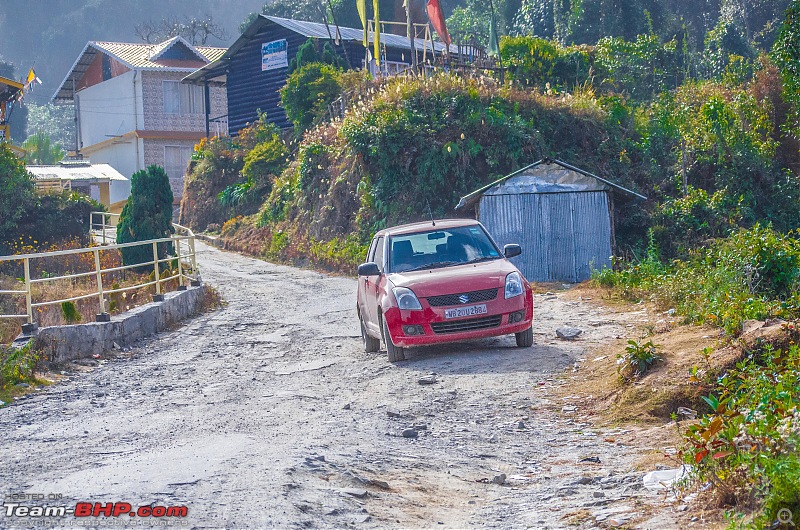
(122, 157)
(108, 109)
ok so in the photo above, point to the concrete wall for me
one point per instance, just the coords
(66, 343)
(107, 109)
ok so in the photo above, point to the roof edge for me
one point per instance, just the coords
(471, 198)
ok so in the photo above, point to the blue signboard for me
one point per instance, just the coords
(273, 55)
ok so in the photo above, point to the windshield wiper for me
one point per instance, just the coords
(435, 265)
(485, 258)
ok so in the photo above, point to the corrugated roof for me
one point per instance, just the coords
(217, 70)
(145, 56)
(136, 56)
(76, 172)
(528, 187)
(320, 31)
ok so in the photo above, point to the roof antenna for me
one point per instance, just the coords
(430, 212)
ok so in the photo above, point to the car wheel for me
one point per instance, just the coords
(371, 344)
(395, 353)
(525, 338)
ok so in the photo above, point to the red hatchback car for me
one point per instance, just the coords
(427, 283)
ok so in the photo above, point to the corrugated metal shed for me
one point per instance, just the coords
(561, 215)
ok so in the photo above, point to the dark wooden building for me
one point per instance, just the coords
(254, 68)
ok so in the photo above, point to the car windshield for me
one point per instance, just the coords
(440, 248)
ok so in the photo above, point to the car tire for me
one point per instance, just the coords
(395, 353)
(525, 338)
(371, 344)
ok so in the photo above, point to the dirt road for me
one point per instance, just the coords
(268, 413)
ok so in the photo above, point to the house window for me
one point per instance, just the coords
(183, 99)
(176, 158)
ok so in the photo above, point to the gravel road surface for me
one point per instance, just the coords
(268, 413)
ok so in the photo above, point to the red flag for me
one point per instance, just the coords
(436, 15)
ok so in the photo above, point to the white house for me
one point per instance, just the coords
(132, 110)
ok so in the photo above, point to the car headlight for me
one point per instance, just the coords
(514, 285)
(406, 299)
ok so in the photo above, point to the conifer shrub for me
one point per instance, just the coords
(146, 215)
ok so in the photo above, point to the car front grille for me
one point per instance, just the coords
(470, 324)
(455, 299)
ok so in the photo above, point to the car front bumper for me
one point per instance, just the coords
(437, 329)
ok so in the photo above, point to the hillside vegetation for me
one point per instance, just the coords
(708, 135)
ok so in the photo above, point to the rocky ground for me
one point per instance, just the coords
(268, 413)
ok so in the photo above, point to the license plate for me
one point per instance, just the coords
(459, 312)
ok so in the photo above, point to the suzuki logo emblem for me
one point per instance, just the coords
(463, 299)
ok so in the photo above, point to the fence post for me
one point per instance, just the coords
(158, 297)
(196, 280)
(28, 300)
(103, 227)
(103, 315)
(181, 287)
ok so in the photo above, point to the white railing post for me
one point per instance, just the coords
(155, 269)
(180, 268)
(194, 259)
(28, 299)
(99, 276)
(103, 216)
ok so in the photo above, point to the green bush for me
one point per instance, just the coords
(146, 215)
(637, 359)
(17, 365)
(746, 447)
(753, 274)
(70, 312)
(640, 68)
(308, 91)
(266, 159)
(16, 191)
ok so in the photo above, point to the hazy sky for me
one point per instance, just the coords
(51, 33)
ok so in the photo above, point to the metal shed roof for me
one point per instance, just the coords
(216, 70)
(564, 179)
(90, 172)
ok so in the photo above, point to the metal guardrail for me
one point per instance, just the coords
(104, 232)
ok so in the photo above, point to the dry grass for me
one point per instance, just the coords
(666, 386)
(87, 308)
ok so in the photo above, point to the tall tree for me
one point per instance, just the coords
(16, 189)
(193, 29)
(786, 54)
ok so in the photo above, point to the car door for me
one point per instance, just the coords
(372, 287)
(362, 286)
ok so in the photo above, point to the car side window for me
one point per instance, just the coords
(378, 257)
(371, 252)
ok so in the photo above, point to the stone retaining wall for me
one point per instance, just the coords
(66, 343)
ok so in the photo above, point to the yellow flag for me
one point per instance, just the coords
(377, 33)
(31, 77)
(361, 5)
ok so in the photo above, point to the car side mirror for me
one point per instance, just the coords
(368, 269)
(511, 250)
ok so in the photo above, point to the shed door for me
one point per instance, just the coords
(563, 235)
